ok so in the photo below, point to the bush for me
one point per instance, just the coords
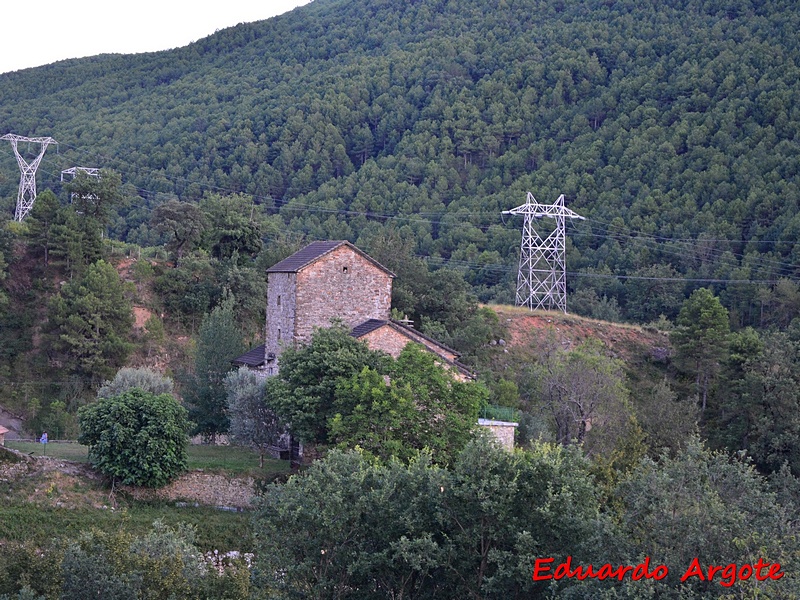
(144, 379)
(136, 438)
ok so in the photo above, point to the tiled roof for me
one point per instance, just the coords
(253, 358)
(367, 327)
(315, 250)
(304, 256)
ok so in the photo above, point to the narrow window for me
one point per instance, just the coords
(279, 333)
(279, 300)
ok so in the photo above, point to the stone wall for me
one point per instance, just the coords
(391, 339)
(503, 431)
(342, 284)
(386, 339)
(281, 311)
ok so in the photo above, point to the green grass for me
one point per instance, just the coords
(65, 450)
(232, 459)
(222, 530)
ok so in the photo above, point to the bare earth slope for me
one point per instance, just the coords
(628, 342)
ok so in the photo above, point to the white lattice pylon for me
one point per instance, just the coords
(27, 183)
(91, 171)
(542, 277)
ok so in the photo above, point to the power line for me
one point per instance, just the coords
(654, 243)
(506, 269)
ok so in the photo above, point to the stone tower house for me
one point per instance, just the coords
(335, 280)
(323, 281)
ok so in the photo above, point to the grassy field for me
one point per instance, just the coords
(65, 450)
(231, 459)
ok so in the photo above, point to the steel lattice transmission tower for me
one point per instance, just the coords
(90, 172)
(542, 278)
(27, 182)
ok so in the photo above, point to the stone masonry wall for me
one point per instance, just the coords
(281, 311)
(502, 431)
(386, 339)
(344, 285)
(390, 340)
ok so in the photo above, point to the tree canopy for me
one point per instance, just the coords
(90, 322)
(416, 405)
(136, 438)
(219, 342)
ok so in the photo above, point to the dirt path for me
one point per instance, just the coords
(11, 422)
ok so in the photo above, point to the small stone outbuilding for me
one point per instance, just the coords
(392, 336)
(503, 431)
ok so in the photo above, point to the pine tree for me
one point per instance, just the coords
(91, 320)
(701, 339)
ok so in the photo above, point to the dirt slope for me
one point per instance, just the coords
(529, 329)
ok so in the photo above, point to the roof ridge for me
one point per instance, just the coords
(316, 250)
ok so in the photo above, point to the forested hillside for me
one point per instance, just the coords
(671, 126)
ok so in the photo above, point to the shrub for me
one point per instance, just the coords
(136, 438)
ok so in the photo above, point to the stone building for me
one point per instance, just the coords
(335, 280)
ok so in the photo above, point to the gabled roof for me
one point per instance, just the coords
(253, 358)
(366, 327)
(313, 252)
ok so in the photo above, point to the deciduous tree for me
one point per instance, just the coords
(143, 378)
(253, 422)
(418, 405)
(310, 375)
(583, 392)
(136, 438)
(184, 224)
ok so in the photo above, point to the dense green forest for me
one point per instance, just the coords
(671, 126)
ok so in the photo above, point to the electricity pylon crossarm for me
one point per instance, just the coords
(542, 276)
(27, 183)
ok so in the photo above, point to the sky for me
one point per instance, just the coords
(45, 31)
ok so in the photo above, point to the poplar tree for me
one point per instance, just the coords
(701, 339)
(219, 342)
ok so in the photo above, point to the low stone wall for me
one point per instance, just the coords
(207, 489)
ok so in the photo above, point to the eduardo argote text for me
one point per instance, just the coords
(725, 575)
